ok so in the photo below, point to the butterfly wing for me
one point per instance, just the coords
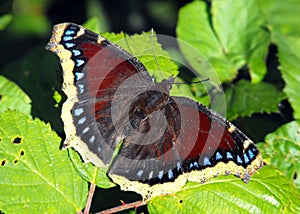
(98, 77)
(196, 144)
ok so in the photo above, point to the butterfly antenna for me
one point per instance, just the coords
(200, 81)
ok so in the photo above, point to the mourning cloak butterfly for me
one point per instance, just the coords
(166, 140)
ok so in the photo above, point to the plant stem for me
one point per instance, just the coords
(89, 199)
(123, 207)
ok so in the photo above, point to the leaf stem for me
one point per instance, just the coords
(123, 207)
(89, 199)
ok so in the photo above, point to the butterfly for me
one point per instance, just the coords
(165, 140)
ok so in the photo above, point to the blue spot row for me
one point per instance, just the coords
(69, 34)
(246, 158)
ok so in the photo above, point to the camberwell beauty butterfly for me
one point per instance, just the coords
(166, 140)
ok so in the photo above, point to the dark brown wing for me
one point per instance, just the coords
(96, 74)
(195, 144)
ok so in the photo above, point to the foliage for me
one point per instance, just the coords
(36, 175)
(250, 48)
(283, 150)
(268, 192)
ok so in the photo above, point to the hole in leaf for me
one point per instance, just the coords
(3, 163)
(295, 175)
(16, 161)
(22, 152)
(17, 140)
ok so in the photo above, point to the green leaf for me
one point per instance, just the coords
(282, 16)
(244, 99)
(146, 48)
(247, 40)
(266, 192)
(289, 58)
(282, 149)
(90, 172)
(36, 176)
(246, 43)
(12, 97)
(57, 97)
(199, 41)
(201, 93)
(5, 20)
(93, 24)
(97, 13)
